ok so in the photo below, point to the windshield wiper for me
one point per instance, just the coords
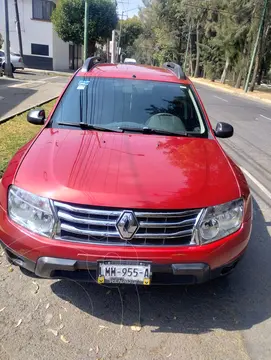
(83, 125)
(147, 130)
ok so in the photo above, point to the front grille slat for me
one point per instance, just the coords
(82, 223)
(84, 220)
(76, 230)
(164, 225)
(168, 214)
(162, 235)
(84, 210)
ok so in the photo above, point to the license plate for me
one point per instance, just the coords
(116, 272)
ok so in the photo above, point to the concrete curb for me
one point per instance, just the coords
(49, 72)
(9, 117)
(232, 91)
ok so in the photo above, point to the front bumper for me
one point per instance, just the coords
(59, 268)
(62, 259)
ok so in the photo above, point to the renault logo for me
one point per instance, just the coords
(127, 225)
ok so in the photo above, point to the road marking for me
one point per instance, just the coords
(48, 78)
(218, 97)
(40, 81)
(28, 83)
(256, 182)
(20, 84)
(2, 98)
(265, 117)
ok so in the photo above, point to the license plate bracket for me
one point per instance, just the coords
(124, 272)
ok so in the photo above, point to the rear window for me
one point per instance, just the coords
(113, 103)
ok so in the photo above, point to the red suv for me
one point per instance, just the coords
(126, 183)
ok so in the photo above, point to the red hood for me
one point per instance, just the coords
(127, 170)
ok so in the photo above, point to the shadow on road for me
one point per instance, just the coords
(234, 303)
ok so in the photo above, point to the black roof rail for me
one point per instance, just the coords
(90, 63)
(175, 68)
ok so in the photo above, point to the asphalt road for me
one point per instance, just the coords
(226, 319)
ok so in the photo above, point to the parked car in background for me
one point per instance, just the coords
(129, 61)
(15, 59)
(1, 68)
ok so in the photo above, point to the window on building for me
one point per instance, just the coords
(42, 9)
(39, 49)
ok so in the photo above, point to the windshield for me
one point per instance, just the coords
(130, 103)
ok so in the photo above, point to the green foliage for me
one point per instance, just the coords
(212, 37)
(130, 31)
(68, 20)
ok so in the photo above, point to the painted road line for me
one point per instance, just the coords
(220, 98)
(25, 83)
(48, 78)
(265, 117)
(256, 182)
(40, 81)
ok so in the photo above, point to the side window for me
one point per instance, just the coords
(2, 53)
(39, 49)
(42, 9)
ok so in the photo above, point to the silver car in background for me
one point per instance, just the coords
(15, 59)
(1, 69)
(129, 61)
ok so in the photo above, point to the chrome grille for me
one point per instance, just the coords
(98, 225)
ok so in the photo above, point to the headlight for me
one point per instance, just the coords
(220, 221)
(30, 211)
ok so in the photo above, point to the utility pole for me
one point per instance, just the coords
(120, 34)
(187, 48)
(86, 31)
(256, 44)
(113, 54)
(8, 69)
(18, 24)
(107, 50)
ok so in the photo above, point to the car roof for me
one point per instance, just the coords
(133, 71)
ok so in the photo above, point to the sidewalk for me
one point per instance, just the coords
(51, 72)
(19, 96)
(255, 95)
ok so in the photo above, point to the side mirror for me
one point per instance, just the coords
(223, 130)
(36, 116)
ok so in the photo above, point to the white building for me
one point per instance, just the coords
(42, 47)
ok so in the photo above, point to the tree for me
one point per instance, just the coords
(68, 21)
(1, 41)
(214, 37)
(130, 31)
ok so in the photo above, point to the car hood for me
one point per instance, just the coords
(127, 170)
